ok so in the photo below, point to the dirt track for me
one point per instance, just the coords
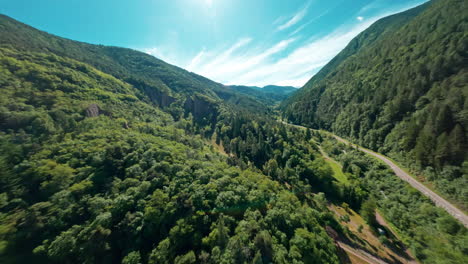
(361, 254)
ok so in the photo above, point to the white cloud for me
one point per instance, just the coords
(222, 57)
(292, 61)
(279, 20)
(196, 60)
(256, 66)
(300, 64)
(309, 22)
(230, 64)
(294, 20)
(360, 18)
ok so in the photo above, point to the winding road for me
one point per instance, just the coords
(439, 201)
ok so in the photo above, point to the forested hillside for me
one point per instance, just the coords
(92, 172)
(163, 83)
(95, 169)
(400, 88)
(109, 155)
(269, 95)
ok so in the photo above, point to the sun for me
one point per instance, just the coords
(209, 2)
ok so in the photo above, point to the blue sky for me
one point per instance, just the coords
(250, 42)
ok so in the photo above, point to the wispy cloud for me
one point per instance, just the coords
(230, 65)
(310, 22)
(279, 20)
(294, 20)
(290, 61)
(196, 60)
(167, 50)
(219, 59)
(261, 68)
(297, 67)
(166, 54)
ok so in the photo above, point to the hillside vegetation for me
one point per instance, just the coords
(400, 88)
(92, 172)
(163, 83)
(96, 168)
(109, 155)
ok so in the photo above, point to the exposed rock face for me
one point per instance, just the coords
(155, 94)
(159, 98)
(201, 108)
(93, 110)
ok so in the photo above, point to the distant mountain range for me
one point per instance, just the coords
(270, 94)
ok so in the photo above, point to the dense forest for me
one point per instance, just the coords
(400, 88)
(92, 172)
(95, 169)
(109, 155)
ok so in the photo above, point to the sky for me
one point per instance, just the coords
(244, 42)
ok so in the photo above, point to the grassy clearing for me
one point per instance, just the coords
(337, 172)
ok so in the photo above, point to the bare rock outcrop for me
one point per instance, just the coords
(93, 110)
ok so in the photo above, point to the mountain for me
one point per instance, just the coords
(109, 155)
(163, 83)
(279, 89)
(400, 87)
(269, 95)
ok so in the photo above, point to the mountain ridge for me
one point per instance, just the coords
(269, 94)
(152, 75)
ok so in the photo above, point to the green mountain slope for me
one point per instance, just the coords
(108, 155)
(400, 88)
(162, 82)
(92, 172)
(106, 160)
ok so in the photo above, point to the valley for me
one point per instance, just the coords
(112, 155)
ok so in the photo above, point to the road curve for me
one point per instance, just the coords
(439, 201)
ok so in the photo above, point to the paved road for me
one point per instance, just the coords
(439, 201)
